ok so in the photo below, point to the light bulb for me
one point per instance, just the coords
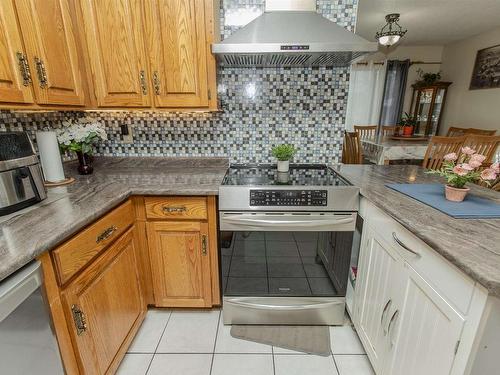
(389, 40)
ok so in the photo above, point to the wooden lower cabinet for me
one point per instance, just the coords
(180, 263)
(98, 307)
(104, 307)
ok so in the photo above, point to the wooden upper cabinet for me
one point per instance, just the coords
(179, 52)
(105, 307)
(180, 263)
(15, 82)
(114, 34)
(51, 49)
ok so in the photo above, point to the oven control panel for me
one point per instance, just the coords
(305, 198)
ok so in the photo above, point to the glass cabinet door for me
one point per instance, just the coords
(436, 111)
(423, 107)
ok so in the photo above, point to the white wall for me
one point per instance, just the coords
(464, 107)
(414, 53)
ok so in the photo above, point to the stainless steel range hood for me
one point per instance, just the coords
(291, 33)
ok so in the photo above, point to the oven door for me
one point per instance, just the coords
(285, 268)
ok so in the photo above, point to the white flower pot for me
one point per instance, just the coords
(283, 165)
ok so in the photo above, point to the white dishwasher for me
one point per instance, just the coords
(27, 342)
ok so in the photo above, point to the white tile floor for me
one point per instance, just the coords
(195, 342)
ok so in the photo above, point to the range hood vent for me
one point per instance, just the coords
(295, 37)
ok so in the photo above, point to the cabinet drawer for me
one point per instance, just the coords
(74, 254)
(454, 285)
(176, 208)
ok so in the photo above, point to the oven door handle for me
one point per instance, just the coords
(242, 220)
(265, 306)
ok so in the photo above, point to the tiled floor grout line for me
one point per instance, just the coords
(158, 344)
(215, 342)
(335, 364)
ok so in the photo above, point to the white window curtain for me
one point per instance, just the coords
(366, 89)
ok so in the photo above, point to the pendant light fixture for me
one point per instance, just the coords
(391, 32)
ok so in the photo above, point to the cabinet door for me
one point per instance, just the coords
(15, 81)
(115, 40)
(178, 48)
(424, 333)
(105, 305)
(49, 36)
(378, 274)
(180, 263)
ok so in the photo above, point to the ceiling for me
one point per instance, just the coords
(430, 22)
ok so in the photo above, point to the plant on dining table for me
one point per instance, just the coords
(466, 167)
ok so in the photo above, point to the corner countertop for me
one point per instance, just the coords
(470, 244)
(67, 209)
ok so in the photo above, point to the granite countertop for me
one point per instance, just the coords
(67, 209)
(470, 244)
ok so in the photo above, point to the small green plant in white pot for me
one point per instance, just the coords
(284, 153)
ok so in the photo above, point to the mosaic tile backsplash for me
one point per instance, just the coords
(261, 107)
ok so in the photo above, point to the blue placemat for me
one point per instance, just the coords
(433, 195)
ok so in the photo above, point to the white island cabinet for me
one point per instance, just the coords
(414, 311)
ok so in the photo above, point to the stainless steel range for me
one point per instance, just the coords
(287, 243)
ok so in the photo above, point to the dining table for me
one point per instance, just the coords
(382, 150)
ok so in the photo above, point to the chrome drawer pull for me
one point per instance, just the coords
(400, 243)
(386, 307)
(174, 209)
(393, 319)
(106, 234)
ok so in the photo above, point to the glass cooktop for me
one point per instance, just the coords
(268, 175)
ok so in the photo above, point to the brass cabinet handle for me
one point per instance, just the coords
(41, 72)
(142, 80)
(79, 319)
(24, 68)
(106, 234)
(386, 307)
(393, 319)
(174, 209)
(204, 245)
(157, 83)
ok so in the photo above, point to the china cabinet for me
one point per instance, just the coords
(427, 104)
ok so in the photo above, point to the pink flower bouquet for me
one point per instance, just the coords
(463, 168)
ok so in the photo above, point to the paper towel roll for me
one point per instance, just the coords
(50, 156)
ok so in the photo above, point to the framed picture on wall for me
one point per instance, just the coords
(486, 73)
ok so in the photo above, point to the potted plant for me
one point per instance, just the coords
(80, 136)
(427, 78)
(284, 153)
(408, 124)
(458, 170)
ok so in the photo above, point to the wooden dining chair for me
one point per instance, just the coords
(368, 131)
(389, 130)
(454, 131)
(480, 131)
(483, 144)
(351, 149)
(438, 147)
